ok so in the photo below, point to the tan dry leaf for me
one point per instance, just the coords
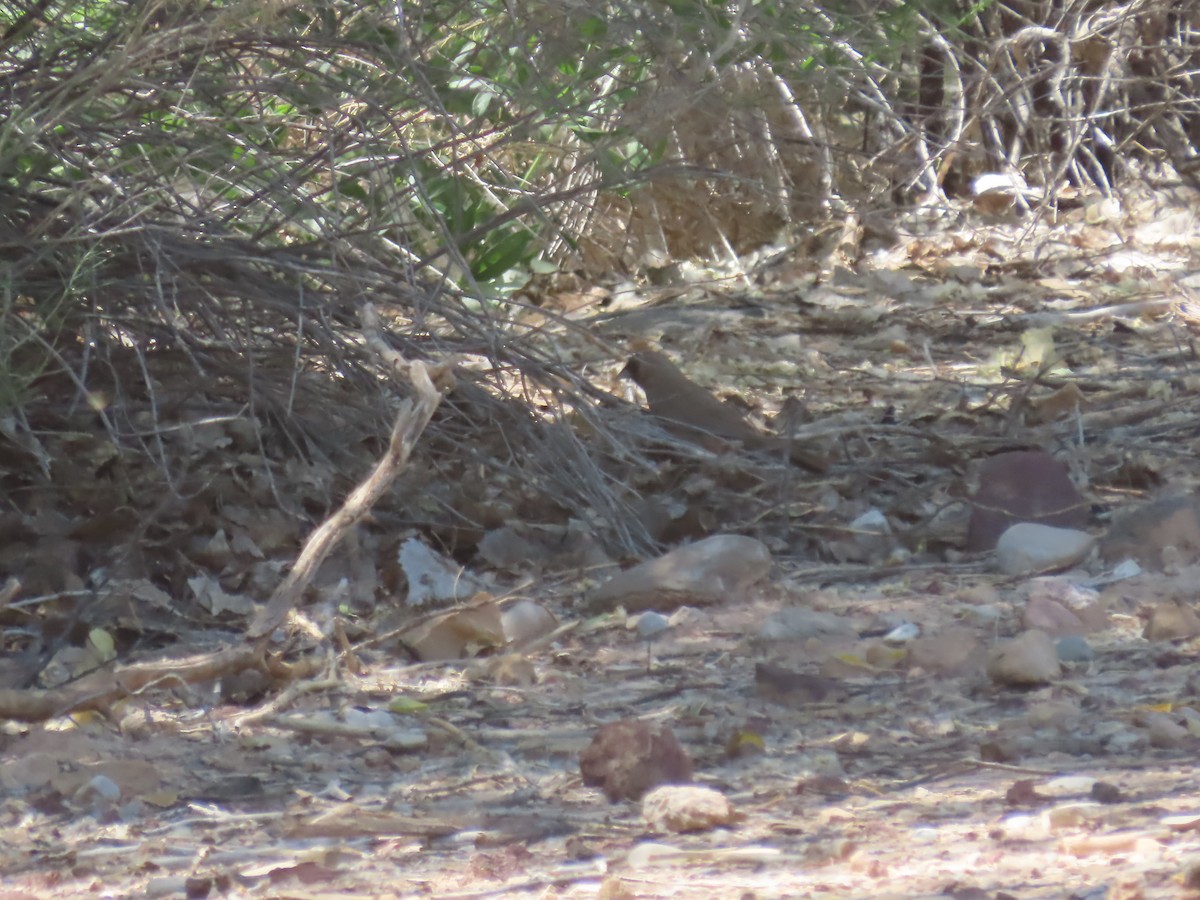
(1065, 401)
(244, 545)
(457, 634)
(145, 590)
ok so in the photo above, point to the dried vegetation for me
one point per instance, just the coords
(198, 204)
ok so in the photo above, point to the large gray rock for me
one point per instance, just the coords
(1026, 548)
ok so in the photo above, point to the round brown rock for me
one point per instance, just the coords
(626, 759)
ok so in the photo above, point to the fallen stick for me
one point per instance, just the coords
(414, 415)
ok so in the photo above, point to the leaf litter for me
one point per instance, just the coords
(883, 714)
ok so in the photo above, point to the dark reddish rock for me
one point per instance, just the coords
(1022, 486)
(629, 758)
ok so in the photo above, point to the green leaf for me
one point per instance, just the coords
(407, 706)
(352, 187)
(502, 254)
(482, 101)
(593, 28)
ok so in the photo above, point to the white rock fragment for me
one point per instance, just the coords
(432, 576)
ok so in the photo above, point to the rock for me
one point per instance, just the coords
(799, 623)
(650, 625)
(686, 808)
(868, 537)
(699, 574)
(1165, 733)
(1060, 606)
(1022, 486)
(1172, 620)
(1145, 533)
(628, 758)
(1028, 659)
(1028, 547)
(1073, 649)
(1104, 792)
(1051, 617)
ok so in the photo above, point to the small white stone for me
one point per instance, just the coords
(651, 624)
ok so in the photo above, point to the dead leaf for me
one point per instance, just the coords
(432, 577)
(457, 634)
(1065, 401)
(208, 591)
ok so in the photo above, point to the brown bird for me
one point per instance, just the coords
(694, 414)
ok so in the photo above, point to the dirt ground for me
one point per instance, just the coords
(923, 777)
